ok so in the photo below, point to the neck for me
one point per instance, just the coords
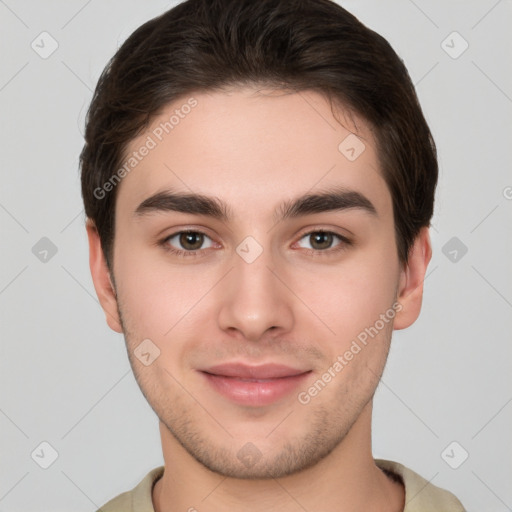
(347, 480)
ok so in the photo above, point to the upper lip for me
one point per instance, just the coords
(244, 371)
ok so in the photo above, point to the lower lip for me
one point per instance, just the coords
(253, 392)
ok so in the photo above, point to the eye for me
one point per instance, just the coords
(188, 242)
(322, 241)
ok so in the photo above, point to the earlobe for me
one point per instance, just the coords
(101, 278)
(410, 290)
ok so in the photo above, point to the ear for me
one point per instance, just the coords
(101, 278)
(410, 289)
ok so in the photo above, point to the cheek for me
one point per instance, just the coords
(154, 307)
(351, 296)
(159, 300)
(145, 293)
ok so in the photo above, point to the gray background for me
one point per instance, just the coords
(65, 377)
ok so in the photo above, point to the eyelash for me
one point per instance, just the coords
(344, 243)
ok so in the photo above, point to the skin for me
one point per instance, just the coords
(292, 305)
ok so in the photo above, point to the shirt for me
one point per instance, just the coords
(420, 495)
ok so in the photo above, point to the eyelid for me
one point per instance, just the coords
(344, 243)
(166, 239)
(331, 231)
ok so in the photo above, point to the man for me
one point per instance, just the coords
(259, 180)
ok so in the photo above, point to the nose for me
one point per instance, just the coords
(255, 300)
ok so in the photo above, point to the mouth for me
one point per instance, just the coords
(255, 386)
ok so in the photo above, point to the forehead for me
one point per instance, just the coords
(252, 149)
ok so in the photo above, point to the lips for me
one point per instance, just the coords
(254, 386)
(262, 372)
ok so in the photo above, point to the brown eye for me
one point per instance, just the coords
(321, 240)
(191, 241)
(183, 242)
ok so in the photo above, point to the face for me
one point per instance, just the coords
(257, 324)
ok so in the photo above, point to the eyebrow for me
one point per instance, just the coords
(331, 199)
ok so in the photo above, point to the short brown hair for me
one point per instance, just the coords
(298, 45)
